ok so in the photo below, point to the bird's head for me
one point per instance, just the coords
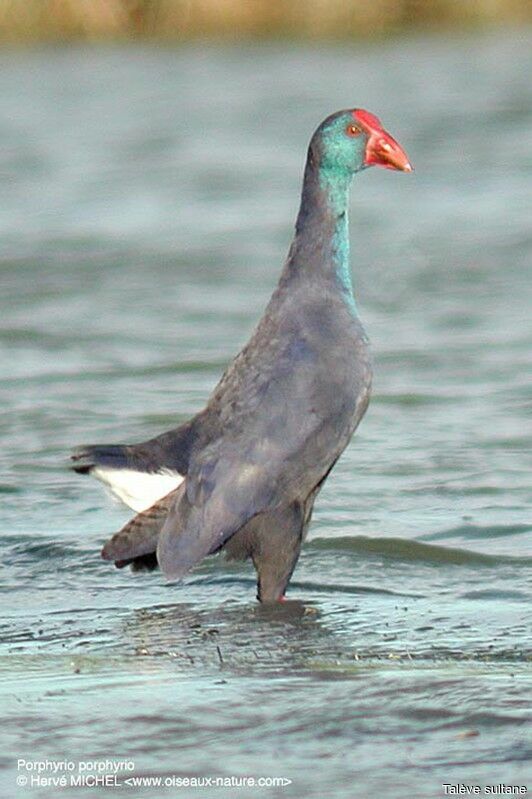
(349, 141)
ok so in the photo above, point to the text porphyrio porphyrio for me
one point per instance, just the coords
(243, 474)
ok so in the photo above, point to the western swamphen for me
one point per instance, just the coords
(243, 474)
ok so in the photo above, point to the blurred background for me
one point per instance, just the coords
(151, 155)
(175, 20)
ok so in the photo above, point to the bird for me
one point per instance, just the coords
(243, 474)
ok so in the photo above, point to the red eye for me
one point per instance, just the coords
(353, 130)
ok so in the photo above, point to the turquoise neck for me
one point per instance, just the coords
(335, 186)
(321, 243)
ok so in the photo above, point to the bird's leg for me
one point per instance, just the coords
(276, 548)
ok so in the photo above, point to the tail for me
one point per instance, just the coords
(136, 474)
(141, 474)
(111, 456)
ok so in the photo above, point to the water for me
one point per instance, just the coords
(148, 198)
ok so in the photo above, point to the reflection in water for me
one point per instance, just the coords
(236, 638)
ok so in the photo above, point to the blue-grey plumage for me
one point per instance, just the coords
(243, 474)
